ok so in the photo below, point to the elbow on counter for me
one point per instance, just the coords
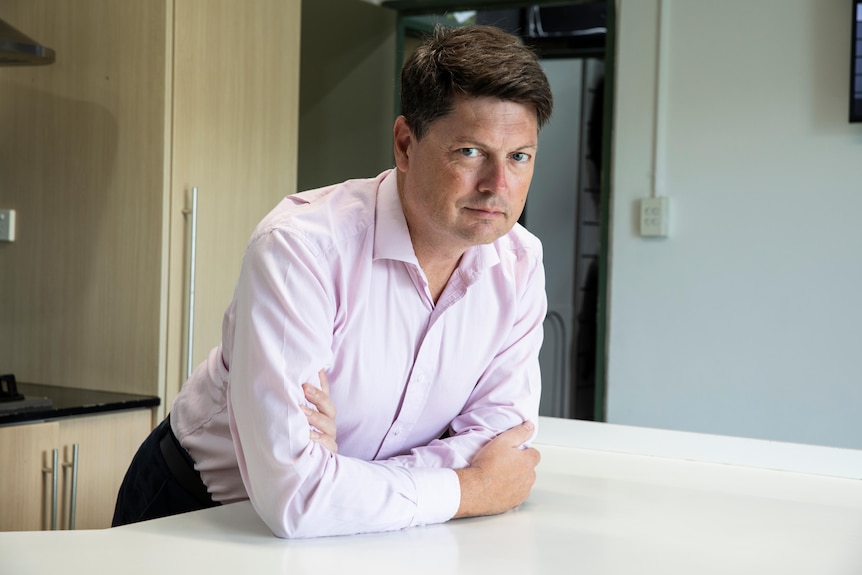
(308, 525)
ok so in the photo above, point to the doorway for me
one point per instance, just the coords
(568, 203)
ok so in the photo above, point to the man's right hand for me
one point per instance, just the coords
(501, 474)
(322, 421)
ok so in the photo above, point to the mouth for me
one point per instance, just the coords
(486, 212)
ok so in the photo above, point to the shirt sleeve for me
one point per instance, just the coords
(299, 488)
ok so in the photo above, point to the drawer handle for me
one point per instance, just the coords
(53, 472)
(73, 499)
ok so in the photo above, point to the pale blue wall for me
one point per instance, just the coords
(748, 319)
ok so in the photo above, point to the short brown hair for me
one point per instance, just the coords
(474, 61)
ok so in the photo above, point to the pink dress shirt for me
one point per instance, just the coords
(330, 280)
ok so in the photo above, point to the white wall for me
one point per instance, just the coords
(748, 319)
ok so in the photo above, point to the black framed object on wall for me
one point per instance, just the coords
(856, 64)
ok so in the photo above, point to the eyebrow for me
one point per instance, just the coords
(475, 144)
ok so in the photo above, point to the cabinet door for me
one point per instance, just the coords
(24, 451)
(234, 134)
(83, 161)
(106, 445)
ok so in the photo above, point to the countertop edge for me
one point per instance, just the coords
(71, 402)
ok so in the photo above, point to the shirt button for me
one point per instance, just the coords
(397, 431)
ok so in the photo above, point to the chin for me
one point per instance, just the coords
(488, 237)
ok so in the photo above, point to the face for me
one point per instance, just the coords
(465, 182)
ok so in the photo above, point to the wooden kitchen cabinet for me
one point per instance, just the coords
(106, 444)
(24, 450)
(146, 100)
(234, 137)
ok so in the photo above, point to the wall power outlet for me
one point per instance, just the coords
(7, 225)
(655, 213)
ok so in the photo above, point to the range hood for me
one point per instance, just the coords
(17, 49)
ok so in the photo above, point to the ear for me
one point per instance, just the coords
(402, 137)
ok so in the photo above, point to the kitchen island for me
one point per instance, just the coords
(608, 499)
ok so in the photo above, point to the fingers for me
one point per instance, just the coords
(501, 474)
(326, 441)
(324, 402)
(518, 435)
(511, 444)
(322, 418)
(324, 381)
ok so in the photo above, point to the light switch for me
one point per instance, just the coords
(7, 225)
(655, 214)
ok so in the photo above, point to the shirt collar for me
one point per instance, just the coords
(392, 238)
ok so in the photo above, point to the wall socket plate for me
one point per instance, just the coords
(655, 213)
(7, 225)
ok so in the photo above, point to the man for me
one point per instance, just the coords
(412, 300)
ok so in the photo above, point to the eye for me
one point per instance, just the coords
(469, 152)
(521, 157)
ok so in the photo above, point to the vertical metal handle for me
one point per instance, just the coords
(73, 497)
(53, 472)
(190, 318)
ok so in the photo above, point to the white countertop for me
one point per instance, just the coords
(592, 511)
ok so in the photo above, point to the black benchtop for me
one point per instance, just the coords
(66, 401)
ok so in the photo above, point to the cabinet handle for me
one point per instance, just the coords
(53, 472)
(73, 498)
(190, 318)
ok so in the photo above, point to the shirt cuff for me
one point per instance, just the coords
(438, 495)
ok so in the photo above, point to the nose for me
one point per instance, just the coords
(494, 176)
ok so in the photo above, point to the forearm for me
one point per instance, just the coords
(349, 496)
(301, 488)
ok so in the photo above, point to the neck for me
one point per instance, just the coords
(438, 276)
(437, 262)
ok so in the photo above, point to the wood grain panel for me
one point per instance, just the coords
(82, 160)
(26, 449)
(236, 107)
(100, 151)
(106, 445)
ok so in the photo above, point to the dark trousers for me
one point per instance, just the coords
(160, 481)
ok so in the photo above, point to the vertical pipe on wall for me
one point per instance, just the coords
(660, 129)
